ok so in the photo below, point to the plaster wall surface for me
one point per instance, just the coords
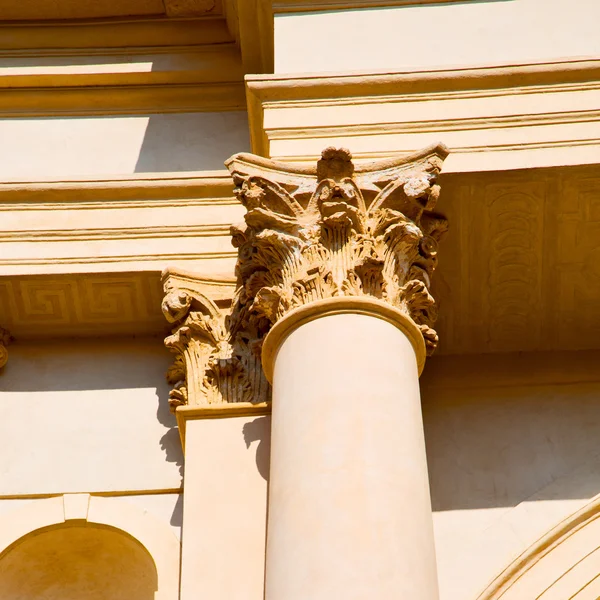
(45, 148)
(87, 416)
(513, 446)
(86, 546)
(464, 33)
(225, 509)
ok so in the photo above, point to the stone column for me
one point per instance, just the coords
(333, 276)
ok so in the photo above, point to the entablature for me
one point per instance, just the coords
(492, 118)
(518, 269)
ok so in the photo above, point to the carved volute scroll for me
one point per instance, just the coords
(337, 230)
(309, 234)
(211, 367)
(5, 340)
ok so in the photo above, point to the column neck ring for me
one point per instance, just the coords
(362, 305)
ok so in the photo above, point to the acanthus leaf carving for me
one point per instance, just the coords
(337, 230)
(212, 366)
(308, 234)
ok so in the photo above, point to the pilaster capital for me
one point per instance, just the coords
(214, 368)
(337, 230)
(5, 340)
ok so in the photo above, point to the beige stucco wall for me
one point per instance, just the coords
(463, 33)
(46, 148)
(513, 445)
(88, 546)
(87, 416)
(225, 508)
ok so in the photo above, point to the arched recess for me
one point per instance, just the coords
(563, 565)
(155, 537)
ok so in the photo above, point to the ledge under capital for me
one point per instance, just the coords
(337, 230)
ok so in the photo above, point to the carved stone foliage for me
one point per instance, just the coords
(5, 340)
(339, 230)
(213, 364)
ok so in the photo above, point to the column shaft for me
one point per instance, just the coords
(349, 504)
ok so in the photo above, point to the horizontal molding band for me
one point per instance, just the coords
(105, 494)
(499, 122)
(203, 64)
(91, 260)
(113, 33)
(455, 150)
(209, 187)
(75, 205)
(316, 85)
(291, 6)
(95, 100)
(82, 235)
(291, 115)
(443, 95)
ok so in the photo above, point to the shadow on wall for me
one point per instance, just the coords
(129, 373)
(192, 141)
(497, 446)
(259, 431)
(170, 442)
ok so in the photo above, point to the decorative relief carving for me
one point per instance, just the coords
(515, 232)
(5, 340)
(309, 234)
(82, 304)
(336, 231)
(214, 363)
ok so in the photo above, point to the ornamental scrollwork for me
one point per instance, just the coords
(211, 365)
(308, 234)
(339, 231)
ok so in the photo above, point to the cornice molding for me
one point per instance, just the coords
(290, 114)
(178, 218)
(121, 100)
(127, 67)
(293, 6)
(314, 86)
(167, 189)
(80, 35)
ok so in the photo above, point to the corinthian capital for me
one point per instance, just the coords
(336, 230)
(213, 367)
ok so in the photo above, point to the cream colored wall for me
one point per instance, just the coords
(463, 33)
(225, 508)
(47, 148)
(513, 444)
(87, 546)
(87, 416)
